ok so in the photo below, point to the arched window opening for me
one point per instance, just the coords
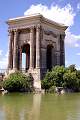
(49, 57)
(25, 57)
(23, 61)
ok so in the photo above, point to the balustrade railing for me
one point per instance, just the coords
(2, 71)
(24, 70)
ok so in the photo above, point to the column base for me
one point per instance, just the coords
(11, 71)
(35, 73)
(8, 72)
(15, 69)
(37, 85)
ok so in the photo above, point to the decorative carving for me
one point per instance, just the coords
(10, 32)
(49, 42)
(48, 32)
(38, 26)
(62, 36)
(26, 41)
(31, 29)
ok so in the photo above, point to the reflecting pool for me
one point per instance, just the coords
(23, 106)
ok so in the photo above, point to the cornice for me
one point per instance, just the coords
(35, 18)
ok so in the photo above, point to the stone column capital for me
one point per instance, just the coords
(32, 28)
(10, 32)
(15, 31)
(63, 36)
(38, 27)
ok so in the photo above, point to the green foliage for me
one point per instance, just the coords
(54, 77)
(48, 81)
(72, 68)
(1, 84)
(52, 89)
(17, 82)
(58, 72)
(62, 77)
(70, 80)
(78, 74)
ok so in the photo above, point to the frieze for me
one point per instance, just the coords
(48, 32)
(50, 41)
(21, 26)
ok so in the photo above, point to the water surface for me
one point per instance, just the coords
(22, 106)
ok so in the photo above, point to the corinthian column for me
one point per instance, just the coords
(31, 47)
(20, 60)
(15, 50)
(62, 50)
(38, 46)
(10, 57)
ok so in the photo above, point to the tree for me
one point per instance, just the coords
(17, 82)
(47, 82)
(70, 81)
(62, 77)
(72, 68)
(78, 74)
(58, 72)
(54, 77)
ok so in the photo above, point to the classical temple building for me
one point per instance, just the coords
(42, 41)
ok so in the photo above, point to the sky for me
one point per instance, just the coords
(62, 11)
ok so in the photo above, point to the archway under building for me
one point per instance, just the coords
(25, 57)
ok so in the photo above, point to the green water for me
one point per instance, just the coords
(22, 106)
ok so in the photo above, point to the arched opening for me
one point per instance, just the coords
(25, 57)
(49, 57)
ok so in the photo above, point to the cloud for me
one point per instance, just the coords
(0, 52)
(78, 6)
(77, 67)
(78, 54)
(4, 61)
(71, 39)
(64, 15)
(77, 45)
(66, 62)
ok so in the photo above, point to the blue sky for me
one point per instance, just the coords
(63, 11)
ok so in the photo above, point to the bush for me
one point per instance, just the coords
(53, 78)
(70, 81)
(62, 77)
(58, 72)
(52, 89)
(1, 84)
(47, 82)
(17, 82)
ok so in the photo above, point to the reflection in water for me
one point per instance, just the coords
(16, 106)
(21, 106)
(22, 109)
(35, 112)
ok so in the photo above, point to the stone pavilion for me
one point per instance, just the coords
(41, 40)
